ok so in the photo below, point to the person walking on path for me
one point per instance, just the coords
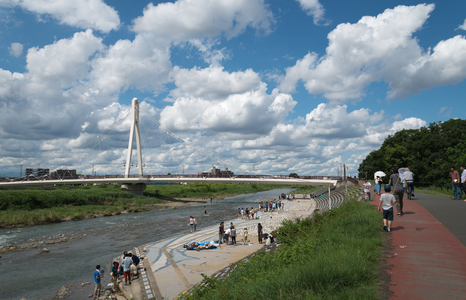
(397, 184)
(386, 203)
(221, 232)
(463, 178)
(127, 268)
(98, 286)
(367, 191)
(456, 186)
(191, 223)
(194, 223)
(377, 184)
(408, 178)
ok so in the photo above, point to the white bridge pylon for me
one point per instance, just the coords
(134, 127)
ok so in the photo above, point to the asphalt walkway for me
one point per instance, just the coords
(427, 255)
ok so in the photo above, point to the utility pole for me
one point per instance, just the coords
(21, 171)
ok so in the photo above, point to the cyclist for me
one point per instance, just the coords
(408, 178)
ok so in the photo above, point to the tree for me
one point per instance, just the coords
(429, 151)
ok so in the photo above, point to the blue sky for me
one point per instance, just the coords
(275, 86)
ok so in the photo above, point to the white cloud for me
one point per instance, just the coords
(143, 63)
(63, 63)
(184, 20)
(212, 83)
(83, 14)
(379, 48)
(462, 26)
(16, 49)
(251, 112)
(315, 9)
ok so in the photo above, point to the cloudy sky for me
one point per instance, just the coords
(271, 86)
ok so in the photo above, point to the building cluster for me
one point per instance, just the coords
(44, 172)
(214, 172)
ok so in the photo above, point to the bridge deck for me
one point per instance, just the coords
(147, 180)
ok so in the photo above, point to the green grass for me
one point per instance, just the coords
(306, 189)
(207, 190)
(435, 190)
(333, 256)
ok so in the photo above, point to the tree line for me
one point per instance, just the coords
(429, 152)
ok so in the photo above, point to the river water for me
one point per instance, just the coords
(30, 274)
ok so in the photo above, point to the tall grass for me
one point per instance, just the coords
(333, 256)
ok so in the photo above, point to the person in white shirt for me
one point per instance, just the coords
(386, 203)
(408, 178)
(463, 178)
(367, 191)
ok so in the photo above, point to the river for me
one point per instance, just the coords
(31, 275)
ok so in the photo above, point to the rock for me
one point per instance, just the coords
(45, 250)
(90, 296)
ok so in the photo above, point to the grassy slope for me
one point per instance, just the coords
(334, 256)
(210, 190)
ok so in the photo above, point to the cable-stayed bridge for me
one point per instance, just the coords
(136, 183)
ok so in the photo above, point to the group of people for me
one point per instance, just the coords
(193, 223)
(458, 182)
(271, 206)
(129, 263)
(247, 213)
(228, 236)
(224, 236)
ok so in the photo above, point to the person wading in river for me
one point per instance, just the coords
(191, 223)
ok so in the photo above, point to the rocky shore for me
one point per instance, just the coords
(41, 242)
(271, 221)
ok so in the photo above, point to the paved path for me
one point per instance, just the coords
(451, 213)
(427, 261)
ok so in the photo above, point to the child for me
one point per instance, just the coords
(386, 202)
(245, 233)
(367, 191)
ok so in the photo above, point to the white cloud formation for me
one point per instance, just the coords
(315, 9)
(379, 48)
(16, 49)
(184, 19)
(212, 83)
(143, 63)
(462, 26)
(83, 14)
(63, 63)
(251, 112)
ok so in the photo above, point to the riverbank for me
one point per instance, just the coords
(21, 208)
